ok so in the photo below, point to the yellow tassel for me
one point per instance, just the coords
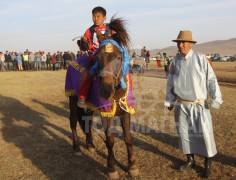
(70, 93)
(112, 112)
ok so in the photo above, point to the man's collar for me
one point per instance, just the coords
(189, 54)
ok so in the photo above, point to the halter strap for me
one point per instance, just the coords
(125, 69)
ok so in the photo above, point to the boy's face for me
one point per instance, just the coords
(98, 19)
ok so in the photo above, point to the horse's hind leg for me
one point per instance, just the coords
(85, 121)
(112, 173)
(125, 122)
(73, 124)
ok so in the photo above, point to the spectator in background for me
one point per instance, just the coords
(67, 58)
(2, 58)
(143, 52)
(13, 60)
(19, 62)
(158, 57)
(8, 61)
(26, 61)
(147, 58)
(38, 59)
(31, 61)
(49, 61)
(166, 62)
(59, 59)
(72, 55)
(1, 61)
(54, 61)
(43, 61)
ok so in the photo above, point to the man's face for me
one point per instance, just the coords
(184, 47)
(98, 19)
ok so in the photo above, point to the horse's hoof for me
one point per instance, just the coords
(113, 175)
(134, 172)
(77, 153)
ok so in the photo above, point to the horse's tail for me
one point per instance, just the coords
(119, 26)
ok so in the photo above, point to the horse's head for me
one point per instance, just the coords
(111, 59)
(110, 69)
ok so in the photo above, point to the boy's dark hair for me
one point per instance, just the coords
(100, 10)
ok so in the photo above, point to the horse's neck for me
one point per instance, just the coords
(119, 93)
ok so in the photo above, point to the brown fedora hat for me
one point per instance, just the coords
(185, 36)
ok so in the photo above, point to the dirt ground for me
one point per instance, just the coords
(35, 138)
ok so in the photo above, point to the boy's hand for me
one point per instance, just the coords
(83, 38)
(83, 44)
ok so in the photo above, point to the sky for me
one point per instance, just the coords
(50, 25)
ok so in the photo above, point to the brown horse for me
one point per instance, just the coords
(110, 71)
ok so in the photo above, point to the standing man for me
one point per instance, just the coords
(49, 61)
(8, 61)
(190, 80)
(143, 52)
(26, 61)
(166, 64)
(59, 59)
(2, 60)
(43, 61)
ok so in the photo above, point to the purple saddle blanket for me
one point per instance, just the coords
(94, 101)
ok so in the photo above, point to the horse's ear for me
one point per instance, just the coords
(100, 36)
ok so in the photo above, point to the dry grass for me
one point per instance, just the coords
(35, 139)
(225, 71)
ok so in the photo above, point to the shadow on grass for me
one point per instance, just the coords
(39, 141)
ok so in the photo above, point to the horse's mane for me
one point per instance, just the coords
(119, 26)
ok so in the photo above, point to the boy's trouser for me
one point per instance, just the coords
(85, 85)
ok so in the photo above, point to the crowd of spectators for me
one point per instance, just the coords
(36, 61)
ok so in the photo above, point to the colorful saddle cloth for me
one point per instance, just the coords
(107, 108)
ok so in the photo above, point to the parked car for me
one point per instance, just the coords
(225, 58)
(153, 59)
(215, 57)
(209, 56)
(232, 58)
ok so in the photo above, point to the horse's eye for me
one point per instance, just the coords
(119, 58)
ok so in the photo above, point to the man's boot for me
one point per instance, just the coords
(189, 164)
(207, 170)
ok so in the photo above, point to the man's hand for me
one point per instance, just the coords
(170, 108)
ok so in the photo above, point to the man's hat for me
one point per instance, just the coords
(185, 36)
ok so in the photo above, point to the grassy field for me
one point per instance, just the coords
(35, 138)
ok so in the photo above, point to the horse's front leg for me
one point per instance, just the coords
(125, 122)
(73, 124)
(112, 173)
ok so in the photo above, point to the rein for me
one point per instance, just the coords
(110, 42)
(115, 76)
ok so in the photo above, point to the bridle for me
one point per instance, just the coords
(117, 76)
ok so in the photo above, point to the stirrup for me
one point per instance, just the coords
(81, 103)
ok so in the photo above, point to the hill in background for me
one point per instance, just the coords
(222, 47)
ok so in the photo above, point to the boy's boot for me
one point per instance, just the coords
(84, 89)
